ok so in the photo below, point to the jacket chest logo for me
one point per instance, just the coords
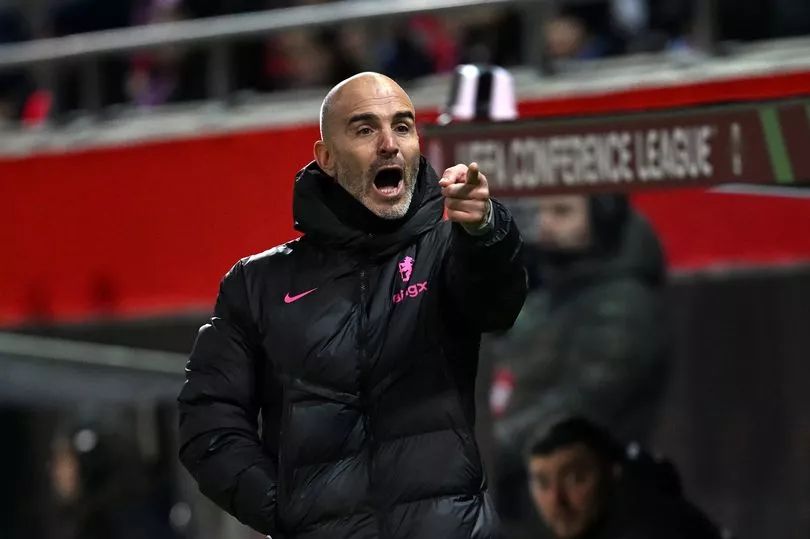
(406, 269)
(412, 290)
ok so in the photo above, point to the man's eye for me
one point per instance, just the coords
(403, 128)
(364, 131)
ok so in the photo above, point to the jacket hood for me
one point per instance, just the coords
(327, 214)
(637, 253)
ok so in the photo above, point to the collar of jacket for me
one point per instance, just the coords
(328, 215)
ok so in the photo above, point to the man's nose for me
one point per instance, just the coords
(388, 145)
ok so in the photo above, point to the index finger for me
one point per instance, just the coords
(472, 174)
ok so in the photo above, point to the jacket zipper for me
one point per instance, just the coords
(365, 402)
(363, 337)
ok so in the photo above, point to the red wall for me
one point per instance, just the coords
(151, 228)
(142, 229)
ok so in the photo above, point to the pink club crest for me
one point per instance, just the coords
(406, 268)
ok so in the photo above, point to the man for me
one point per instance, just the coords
(358, 343)
(590, 340)
(585, 486)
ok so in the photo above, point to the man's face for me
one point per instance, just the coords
(567, 487)
(372, 145)
(564, 223)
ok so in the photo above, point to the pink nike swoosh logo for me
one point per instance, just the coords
(289, 299)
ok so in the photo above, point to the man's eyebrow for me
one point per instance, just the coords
(404, 114)
(577, 463)
(364, 117)
(370, 117)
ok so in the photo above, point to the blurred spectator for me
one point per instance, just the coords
(78, 16)
(584, 484)
(100, 489)
(590, 339)
(307, 59)
(247, 59)
(415, 49)
(168, 74)
(647, 26)
(611, 27)
(494, 36)
(295, 59)
(154, 78)
(429, 44)
(581, 31)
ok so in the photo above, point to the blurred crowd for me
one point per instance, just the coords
(315, 58)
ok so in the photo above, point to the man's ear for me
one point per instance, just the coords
(324, 158)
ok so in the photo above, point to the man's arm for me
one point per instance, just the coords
(219, 405)
(484, 273)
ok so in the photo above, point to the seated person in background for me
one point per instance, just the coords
(592, 336)
(585, 485)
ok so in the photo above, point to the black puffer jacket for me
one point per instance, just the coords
(647, 501)
(360, 350)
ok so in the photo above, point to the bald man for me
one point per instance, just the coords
(357, 344)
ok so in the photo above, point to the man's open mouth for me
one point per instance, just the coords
(388, 181)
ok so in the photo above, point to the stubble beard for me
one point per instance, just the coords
(360, 185)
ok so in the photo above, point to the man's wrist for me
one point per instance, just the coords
(486, 225)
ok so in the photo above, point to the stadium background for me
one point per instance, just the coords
(118, 223)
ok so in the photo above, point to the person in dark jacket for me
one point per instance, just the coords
(586, 485)
(591, 339)
(358, 343)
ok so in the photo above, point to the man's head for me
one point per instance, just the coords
(565, 223)
(571, 469)
(369, 143)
